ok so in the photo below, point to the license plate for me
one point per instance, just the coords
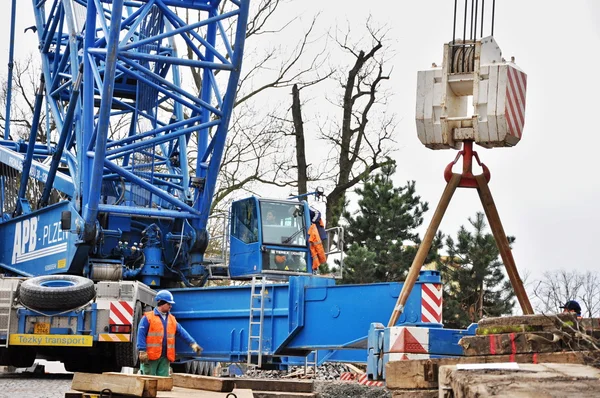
(41, 328)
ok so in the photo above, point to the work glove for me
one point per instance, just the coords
(144, 357)
(197, 349)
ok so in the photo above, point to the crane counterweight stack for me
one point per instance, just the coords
(475, 95)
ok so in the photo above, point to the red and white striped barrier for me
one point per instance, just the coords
(364, 380)
(515, 101)
(121, 313)
(361, 379)
(431, 302)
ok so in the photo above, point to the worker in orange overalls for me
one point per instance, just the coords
(316, 237)
(156, 337)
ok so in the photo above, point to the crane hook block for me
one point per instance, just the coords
(476, 95)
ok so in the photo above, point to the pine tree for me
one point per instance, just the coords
(474, 281)
(380, 236)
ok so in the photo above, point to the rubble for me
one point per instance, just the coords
(325, 372)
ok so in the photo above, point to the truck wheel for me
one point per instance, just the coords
(56, 292)
(127, 353)
(21, 357)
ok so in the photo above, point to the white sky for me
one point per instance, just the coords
(546, 188)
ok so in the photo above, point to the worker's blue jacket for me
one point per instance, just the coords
(143, 333)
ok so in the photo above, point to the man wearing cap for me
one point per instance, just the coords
(572, 307)
(156, 337)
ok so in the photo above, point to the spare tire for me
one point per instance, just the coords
(56, 292)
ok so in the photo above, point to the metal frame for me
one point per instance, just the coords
(106, 62)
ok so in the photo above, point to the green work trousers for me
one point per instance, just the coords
(158, 367)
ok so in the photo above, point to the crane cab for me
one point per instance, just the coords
(269, 236)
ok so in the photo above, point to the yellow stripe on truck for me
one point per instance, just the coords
(63, 340)
(114, 337)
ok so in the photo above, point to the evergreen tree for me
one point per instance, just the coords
(474, 281)
(380, 236)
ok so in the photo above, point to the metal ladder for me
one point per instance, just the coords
(255, 329)
(313, 364)
(6, 299)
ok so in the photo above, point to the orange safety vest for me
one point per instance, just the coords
(316, 247)
(154, 340)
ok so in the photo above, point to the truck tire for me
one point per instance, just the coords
(56, 292)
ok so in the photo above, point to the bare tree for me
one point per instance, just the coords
(358, 145)
(557, 287)
(255, 136)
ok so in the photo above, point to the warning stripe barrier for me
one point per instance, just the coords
(114, 337)
(121, 313)
(361, 379)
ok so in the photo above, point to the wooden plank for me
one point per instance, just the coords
(218, 384)
(355, 369)
(163, 383)
(531, 320)
(541, 380)
(117, 383)
(179, 392)
(274, 384)
(422, 374)
(511, 343)
(524, 323)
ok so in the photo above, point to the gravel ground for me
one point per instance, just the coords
(341, 389)
(34, 386)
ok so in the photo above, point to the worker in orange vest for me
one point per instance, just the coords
(156, 337)
(316, 237)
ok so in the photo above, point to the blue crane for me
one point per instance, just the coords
(109, 192)
(117, 168)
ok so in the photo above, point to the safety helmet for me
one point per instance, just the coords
(572, 305)
(165, 295)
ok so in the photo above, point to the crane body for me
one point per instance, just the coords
(103, 202)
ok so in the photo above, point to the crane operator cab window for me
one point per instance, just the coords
(244, 221)
(283, 236)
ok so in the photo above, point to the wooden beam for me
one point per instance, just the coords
(116, 383)
(511, 343)
(424, 247)
(423, 373)
(217, 384)
(565, 380)
(163, 383)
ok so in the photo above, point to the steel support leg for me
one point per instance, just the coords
(501, 240)
(421, 255)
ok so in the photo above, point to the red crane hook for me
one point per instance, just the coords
(468, 179)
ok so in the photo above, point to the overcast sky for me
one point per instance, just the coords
(546, 188)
